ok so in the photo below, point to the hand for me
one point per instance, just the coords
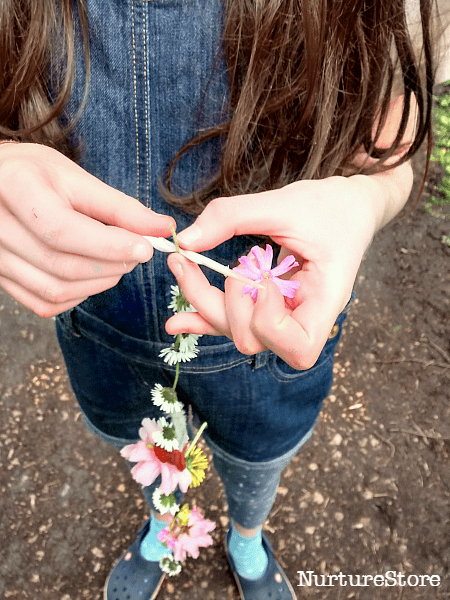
(65, 235)
(327, 224)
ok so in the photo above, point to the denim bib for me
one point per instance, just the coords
(157, 76)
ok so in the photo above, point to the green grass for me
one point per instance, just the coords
(437, 204)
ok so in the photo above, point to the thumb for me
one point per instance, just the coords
(224, 218)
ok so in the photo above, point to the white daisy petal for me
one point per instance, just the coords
(179, 303)
(172, 356)
(169, 565)
(166, 438)
(166, 399)
(165, 504)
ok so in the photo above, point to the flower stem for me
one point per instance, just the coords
(175, 240)
(195, 440)
(177, 374)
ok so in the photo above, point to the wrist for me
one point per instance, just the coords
(387, 192)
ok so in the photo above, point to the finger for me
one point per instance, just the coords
(240, 313)
(190, 322)
(99, 201)
(52, 219)
(47, 287)
(18, 241)
(37, 305)
(205, 298)
(278, 330)
(296, 336)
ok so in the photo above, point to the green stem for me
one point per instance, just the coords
(197, 437)
(175, 240)
(177, 374)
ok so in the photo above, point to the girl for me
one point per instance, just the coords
(290, 119)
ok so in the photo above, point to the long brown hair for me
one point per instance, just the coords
(37, 41)
(308, 81)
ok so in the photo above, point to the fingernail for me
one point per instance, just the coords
(177, 269)
(191, 234)
(142, 253)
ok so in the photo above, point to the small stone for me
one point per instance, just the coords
(318, 498)
(313, 466)
(97, 553)
(310, 530)
(339, 516)
(224, 521)
(337, 440)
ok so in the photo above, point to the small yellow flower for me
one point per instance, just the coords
(183, 515)
(196, 463)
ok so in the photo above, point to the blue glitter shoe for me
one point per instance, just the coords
(133, 577)
(273, 585)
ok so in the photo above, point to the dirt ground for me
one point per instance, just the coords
(370, 493)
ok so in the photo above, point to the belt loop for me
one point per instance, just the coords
(261, 359)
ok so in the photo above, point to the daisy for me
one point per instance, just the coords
(179, 302)
(165, 503)
(169, 565)
(262, 269)
(165, 437)
(172, 356)
(188, 342)
(166, 399)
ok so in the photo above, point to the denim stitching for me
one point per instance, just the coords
(135, 97)
(183, 368)
(147, 142)
(149, 267)
(284, 378)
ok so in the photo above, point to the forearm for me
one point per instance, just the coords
(388, 192)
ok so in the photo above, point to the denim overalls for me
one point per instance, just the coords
(156, 77)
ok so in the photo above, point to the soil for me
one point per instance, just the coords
(370, 493)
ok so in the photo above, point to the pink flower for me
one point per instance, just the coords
(187, 540)
(166, 537)
(262, 270)
(149, 465)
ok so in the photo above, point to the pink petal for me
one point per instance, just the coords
(250, 268)
(137, 452)
(184, 480)
(285, 265)
(249, 289)
(286, 287)
(149, 426)
(165, 537)
(171, 477)
(146, 472)
(264, 260)
(179, 553)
